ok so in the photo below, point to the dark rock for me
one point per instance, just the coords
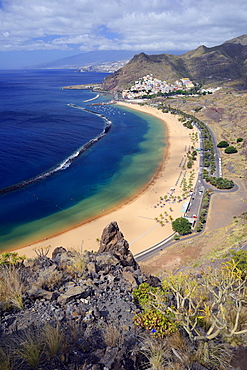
(197, 366)
(38, 293)
(154, 281)
(104, 261)
(74, 292)
(56, 254)
(42, 262)
(112, 241)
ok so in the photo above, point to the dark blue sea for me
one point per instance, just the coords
(63, 159)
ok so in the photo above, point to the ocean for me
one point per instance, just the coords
(64, 160)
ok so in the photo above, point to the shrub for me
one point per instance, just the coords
(230, 150)
(240, 257)
(156, 322)
(42, 251)
(222, 144)
(144, 294)
(11, 258)
(239, 139)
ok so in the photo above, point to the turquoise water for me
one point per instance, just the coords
(108, 173)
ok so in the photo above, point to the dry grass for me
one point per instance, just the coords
(215, 355)
(157, 353)
(11, 288)
(53, 339)
(111, 335)
(77, 264)
(29, 349)
(49, 279)
(6, 359)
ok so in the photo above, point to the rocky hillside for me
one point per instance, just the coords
(76, 311)
(216, 64)
(70, 312)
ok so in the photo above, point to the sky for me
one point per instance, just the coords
(36, 31)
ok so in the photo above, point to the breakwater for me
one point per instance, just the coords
(67, 161)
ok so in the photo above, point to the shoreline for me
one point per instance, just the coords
(136, 215)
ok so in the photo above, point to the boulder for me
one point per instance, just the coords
(74, 292)
(113, 242)
(38, 293)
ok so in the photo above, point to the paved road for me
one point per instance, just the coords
(194, 206)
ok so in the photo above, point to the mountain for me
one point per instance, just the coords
(87, 58)
(225, 62)
(90, 58)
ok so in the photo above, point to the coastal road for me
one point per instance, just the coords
(194, 207)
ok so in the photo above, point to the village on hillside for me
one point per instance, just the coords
(149, 85)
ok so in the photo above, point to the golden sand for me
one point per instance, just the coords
(137, 219)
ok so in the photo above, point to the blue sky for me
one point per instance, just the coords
(36, 31)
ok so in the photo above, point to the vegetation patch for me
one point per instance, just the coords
(218, 182)
(222, 144)
(182, 226)
(230, 150)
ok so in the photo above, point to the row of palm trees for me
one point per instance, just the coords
(164, 218)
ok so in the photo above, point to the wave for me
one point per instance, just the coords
(66, 162)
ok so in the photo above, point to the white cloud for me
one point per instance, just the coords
(119, 24)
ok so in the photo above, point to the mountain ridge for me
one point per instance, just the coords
(221, 63)
(89, 58)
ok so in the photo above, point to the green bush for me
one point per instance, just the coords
(156, 322)
(143, 294)
(239, 139)
(230, 150)
(240, 257)
(11, 258)
(222, 144)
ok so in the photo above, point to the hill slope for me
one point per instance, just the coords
(227, 61)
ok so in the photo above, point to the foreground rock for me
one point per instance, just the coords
(88, 298)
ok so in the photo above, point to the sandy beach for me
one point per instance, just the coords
(146, 219)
